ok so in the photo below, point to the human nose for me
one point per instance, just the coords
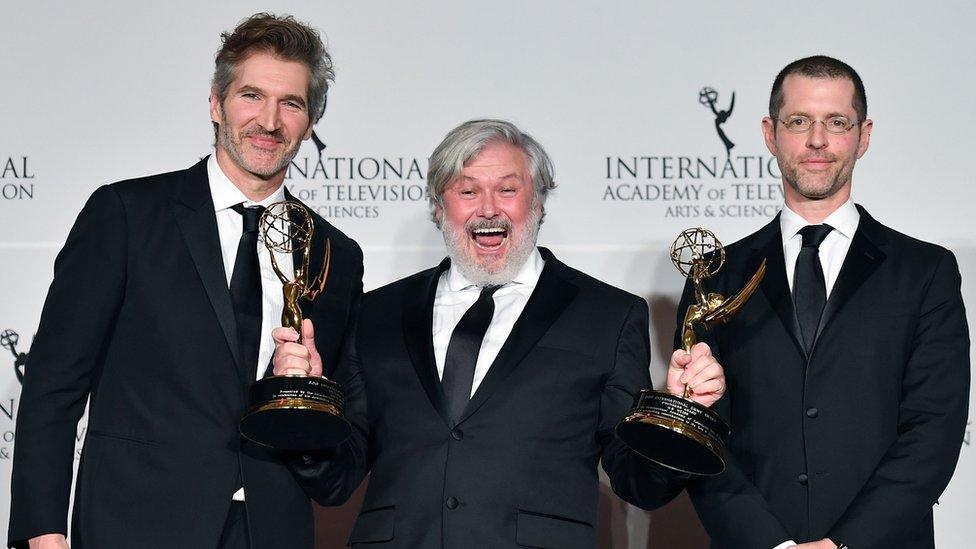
(817, 135)
(487, 207)
(269, 116)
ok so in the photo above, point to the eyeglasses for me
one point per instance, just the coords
(802, 124)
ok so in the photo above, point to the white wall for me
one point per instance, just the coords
(101, 91)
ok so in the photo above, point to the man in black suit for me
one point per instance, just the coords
(485, 390)
(848, 371)
(160, 314)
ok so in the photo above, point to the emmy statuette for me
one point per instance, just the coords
(674, 431)
(294, 412)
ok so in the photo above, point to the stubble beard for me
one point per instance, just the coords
(807, 186)
(233, 145)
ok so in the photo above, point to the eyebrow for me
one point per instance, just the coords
(290, 97)
(829, 115)
(513, 175)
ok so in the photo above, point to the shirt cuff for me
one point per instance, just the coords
(785, 544)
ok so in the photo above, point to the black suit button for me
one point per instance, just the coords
(452, 502)
(802, 479)
(457, 434)
(812, 412)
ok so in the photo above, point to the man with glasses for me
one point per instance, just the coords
(848, 377)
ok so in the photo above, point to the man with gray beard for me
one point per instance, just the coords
(485, 391)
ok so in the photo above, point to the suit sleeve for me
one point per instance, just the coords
(730, 500)
(66, 355)
(331, 477)
(931, 422)
(633, 478)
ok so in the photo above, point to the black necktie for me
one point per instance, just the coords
(462, 352)
(245, 291)
(809, 288)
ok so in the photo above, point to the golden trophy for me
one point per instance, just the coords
(294, 412)
(674, 431)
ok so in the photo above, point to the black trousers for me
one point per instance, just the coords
(235, 528)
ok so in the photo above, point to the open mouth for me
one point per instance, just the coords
(489, 238)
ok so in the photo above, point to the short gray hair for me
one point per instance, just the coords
(462, 144)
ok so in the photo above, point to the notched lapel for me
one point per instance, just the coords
(194, 213)
(550, 298)
(418, 322)
(863, 258)
(776, 288)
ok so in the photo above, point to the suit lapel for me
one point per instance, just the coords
(863, 257)
(774, 285)
(194, 212)
(551, 296)
(418, 322)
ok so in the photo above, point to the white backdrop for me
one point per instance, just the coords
(103, 91)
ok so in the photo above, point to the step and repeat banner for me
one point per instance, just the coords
(650, 110)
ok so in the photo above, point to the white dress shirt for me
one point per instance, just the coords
(455, 295)
(230, 225)
(833, 250)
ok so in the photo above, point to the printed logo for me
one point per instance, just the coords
(697, 184)
(15, 178)
(355, 185)
(9, 340)
(708, 96)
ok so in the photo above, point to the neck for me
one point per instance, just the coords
(814, 211)
(254, 187)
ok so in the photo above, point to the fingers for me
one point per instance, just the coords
(294, 357)
(290, 356)
(282, 335)
(679, 359)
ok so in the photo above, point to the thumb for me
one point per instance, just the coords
(700, 349)
(680, 359)
(308, 339)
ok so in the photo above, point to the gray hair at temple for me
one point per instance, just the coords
(284, 37)
(462, 144)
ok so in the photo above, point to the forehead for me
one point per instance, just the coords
(803, 94)
(497, 160)
(273, 74)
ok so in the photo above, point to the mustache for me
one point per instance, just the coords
(819, 156)
(503, 224)
(261, 132)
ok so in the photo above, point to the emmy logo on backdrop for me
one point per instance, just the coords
(9, 339)
(708, 96)
(295, 412)
(674, 431)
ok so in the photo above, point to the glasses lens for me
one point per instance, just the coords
(797, 124)
(838, 124)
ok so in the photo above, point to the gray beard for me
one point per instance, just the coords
(522, 245)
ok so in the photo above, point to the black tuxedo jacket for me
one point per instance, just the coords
(139, 318)
(519, 469)
(856, 441)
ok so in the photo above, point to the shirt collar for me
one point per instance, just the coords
(844, 220)
(225, 194)
(527, 276)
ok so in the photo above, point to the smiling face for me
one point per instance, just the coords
(263, 118)
(490, 215)
(816, 165)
